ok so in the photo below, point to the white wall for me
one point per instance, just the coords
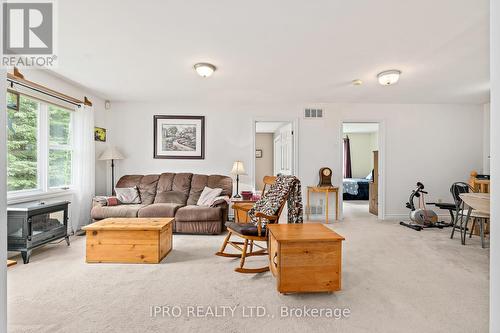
(3, 204)
(362, 146)
(421, 142)
(486, 139)
(495, 167)
(264, 165)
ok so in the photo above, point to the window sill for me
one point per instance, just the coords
(20, 198)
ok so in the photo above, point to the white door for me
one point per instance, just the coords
(283, 150)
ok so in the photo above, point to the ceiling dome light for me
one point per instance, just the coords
(204, 69)
(386, 78)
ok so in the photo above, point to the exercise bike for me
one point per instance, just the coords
(421, 217)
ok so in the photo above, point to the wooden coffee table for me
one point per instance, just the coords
(129, 240)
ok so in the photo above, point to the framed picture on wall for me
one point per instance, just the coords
(258, 153)
(100, 134)
(179, 137)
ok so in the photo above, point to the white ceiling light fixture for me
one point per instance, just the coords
(204, 69)
(387, 78)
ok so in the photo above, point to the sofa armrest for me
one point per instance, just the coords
(97, 202)
(102, 201)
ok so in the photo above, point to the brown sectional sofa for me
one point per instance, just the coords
(173, 195)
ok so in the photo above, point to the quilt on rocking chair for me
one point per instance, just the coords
(284, 188)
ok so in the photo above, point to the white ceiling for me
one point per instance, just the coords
(277, 51)
(360, 127)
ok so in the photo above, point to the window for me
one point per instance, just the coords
(39, 146)
(22, 143)
(60, 149)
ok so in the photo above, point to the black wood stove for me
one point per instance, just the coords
(30, 225)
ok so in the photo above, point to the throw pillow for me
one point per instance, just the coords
(220, 200)
(208, 196)
(128, 195)
(112, 201)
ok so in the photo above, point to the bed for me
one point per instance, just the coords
(355, 189)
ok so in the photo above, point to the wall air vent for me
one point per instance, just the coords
(313, 113)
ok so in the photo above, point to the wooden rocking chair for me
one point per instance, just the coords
(250, 234)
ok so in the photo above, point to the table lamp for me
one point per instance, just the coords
(111, 154)
(238, 169)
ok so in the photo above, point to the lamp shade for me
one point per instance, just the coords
(238, 168)
(111, 153)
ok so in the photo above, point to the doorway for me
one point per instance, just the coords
(274, 150)
(360, 169)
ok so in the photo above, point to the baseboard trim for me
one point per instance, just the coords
(407, 217)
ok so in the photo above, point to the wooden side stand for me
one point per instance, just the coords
(305, 257)
(327, 190)
(479, 185)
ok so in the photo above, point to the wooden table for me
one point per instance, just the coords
(327, 190)
(241, 216)
(305, 257)
(129, 240)
(480, 203)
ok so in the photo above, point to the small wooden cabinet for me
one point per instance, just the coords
(373, 187)
(305, 257)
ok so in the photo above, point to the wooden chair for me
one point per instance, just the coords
(242, 208)
(250, 234)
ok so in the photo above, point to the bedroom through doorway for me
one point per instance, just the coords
(360, 169)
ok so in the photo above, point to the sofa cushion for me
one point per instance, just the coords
(165, 182)
(198, 183)
(159, 210)
(248, 229)
(145, 184)
(103, 212)
(147, 188)
(196, 227)
(173, 188)
(129, 181)
(182, 183)
(223, 182)
(198, 213)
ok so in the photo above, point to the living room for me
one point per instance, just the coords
(162, 109)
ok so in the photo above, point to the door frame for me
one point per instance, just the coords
(295, 128)
(381, 163)
(274, 154)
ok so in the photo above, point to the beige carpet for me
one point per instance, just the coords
(394, 280)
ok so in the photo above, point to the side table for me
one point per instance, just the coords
(327, 190)
(240, 216)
